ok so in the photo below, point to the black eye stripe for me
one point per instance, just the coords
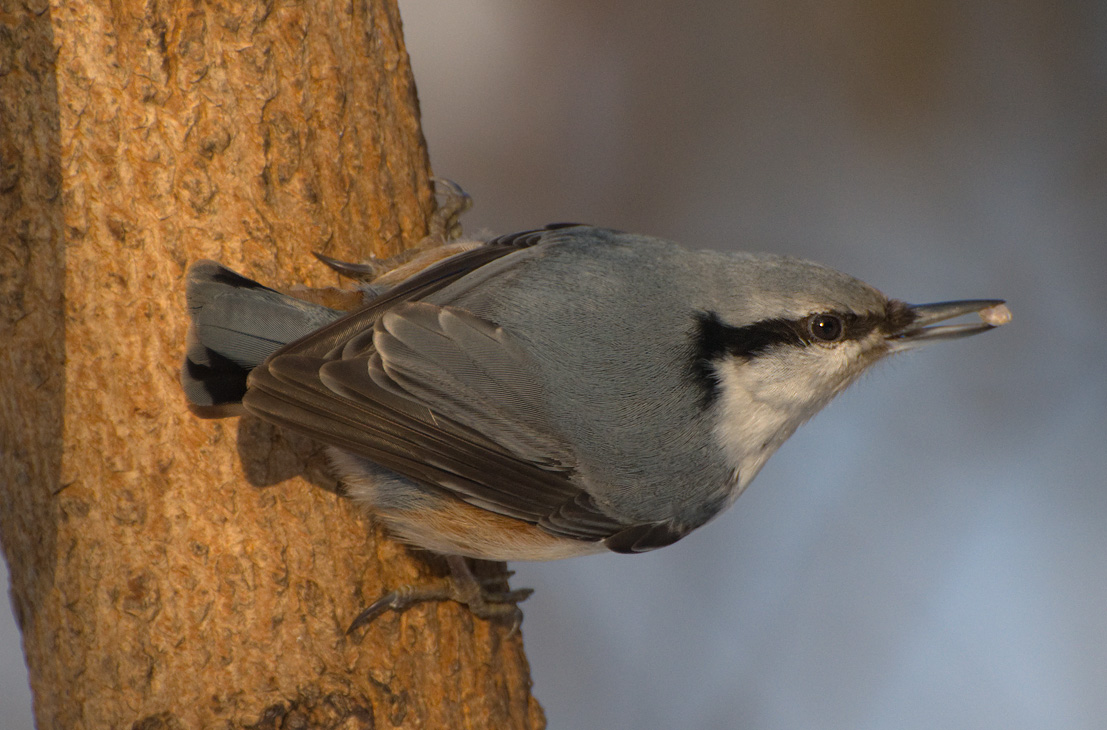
(713, 339)
(717, 338)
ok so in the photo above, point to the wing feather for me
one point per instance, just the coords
(440, 396)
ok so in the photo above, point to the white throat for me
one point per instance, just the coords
(762, 402)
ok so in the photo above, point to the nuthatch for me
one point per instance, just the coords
(556, 392)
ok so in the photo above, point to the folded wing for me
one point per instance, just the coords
(445, 398)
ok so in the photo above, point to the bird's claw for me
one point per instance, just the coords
(444, 226)
(362, 271)
(460, 586)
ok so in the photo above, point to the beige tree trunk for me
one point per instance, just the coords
(169, 572)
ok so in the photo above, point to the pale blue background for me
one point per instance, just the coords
(931, 551)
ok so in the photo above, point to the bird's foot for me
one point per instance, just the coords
(445, 224)
(444, 227)
(460, 586)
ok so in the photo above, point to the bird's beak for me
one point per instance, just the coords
(993, 313)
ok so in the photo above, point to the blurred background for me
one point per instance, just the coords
(943, 562)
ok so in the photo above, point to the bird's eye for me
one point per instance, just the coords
(825, 327)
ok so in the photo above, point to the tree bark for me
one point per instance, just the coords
(169, 572)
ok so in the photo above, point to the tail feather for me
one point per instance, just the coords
(236, 324)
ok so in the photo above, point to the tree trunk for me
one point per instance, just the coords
(169, 572)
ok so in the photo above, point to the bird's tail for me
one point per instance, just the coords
(236, 324)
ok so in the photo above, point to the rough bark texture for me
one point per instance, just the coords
(169, 572)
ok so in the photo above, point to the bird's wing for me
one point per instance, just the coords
(442, 397)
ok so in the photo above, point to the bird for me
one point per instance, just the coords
(550, 393)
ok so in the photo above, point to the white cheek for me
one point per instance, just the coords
(764, 400)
